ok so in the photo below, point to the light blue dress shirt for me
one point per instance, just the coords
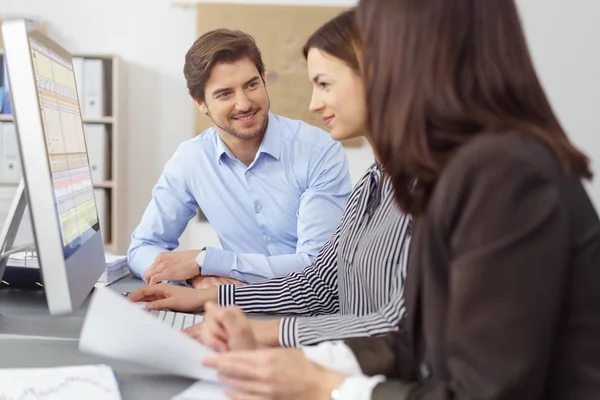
(272, 217)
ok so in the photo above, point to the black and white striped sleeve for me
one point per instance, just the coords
(310, 292)
(297, 331)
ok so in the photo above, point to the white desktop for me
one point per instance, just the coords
(57, 181)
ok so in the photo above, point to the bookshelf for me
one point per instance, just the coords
(110, 190)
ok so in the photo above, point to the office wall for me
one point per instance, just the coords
(563, 39)
(152, 37)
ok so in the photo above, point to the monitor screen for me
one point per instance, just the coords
(66, 147)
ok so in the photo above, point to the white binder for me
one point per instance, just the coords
(25, 232)
(10, 167)
(93, 88)
(96, 138)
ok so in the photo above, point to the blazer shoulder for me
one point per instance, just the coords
(501, 150)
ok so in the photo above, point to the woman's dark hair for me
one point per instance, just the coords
(441, 72)
(339, 38)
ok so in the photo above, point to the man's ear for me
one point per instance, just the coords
(201, 106)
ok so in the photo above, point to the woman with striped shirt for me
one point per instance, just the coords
(355, 286)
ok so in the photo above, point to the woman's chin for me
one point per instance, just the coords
(340, 134)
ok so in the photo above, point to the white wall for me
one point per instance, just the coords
(152, 37)
(564, 39)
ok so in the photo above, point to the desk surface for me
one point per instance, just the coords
(29, 307)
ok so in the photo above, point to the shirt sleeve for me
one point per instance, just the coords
(338, 357)
(322, 204)
(312, 291)
(165, 218)
(334, 355)
(359, 387)
(296, 331)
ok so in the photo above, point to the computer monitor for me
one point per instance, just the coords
(55, 165)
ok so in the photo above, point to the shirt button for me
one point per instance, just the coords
(425, 371)
(248, 173)
(268, 238)
(258, 207)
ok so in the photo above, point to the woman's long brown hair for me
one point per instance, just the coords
(441, 72)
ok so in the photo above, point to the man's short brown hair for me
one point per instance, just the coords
(215, 47)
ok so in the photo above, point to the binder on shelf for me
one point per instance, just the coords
(10, 165)
(25, 232)
(5, 105)
(93, 88)
(96, 138)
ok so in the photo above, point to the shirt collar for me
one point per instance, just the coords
(221, 148)
(271, 143)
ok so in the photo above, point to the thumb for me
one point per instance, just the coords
(237, 326)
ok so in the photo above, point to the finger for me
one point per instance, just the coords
(211, 362)
(239, 332)
(143, 292)
(152, 270)
(227, 359)
(158, 278)
(194, 335)
(234, 320)
(244, 396)
(161, 304)
(193, 330)
(248, 387)
(215, 344)
(240, 368)
(213, 335)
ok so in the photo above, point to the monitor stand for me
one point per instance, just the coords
(29, 310)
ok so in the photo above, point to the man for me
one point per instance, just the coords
(274, 189)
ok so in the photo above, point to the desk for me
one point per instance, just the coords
(135, 382)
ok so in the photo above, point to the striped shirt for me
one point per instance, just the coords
(355, 287)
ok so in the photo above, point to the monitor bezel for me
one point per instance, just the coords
(69, 282)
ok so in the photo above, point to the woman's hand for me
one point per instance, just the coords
(273, 374)
(171, 297)
(229, 329)
(224, 329)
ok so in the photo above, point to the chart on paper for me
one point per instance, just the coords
(66, 383)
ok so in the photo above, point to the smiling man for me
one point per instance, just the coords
(274, 189)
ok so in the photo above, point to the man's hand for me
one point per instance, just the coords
(204, 282)
(224, 329)
(174, 265)
(170, 297)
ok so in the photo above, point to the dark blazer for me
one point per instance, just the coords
(503, 287)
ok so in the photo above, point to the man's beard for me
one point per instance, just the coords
(233, 132)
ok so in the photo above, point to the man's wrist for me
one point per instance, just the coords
(200, 259)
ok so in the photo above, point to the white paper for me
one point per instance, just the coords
(116, 328)
(203, 391)
(64, 383)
